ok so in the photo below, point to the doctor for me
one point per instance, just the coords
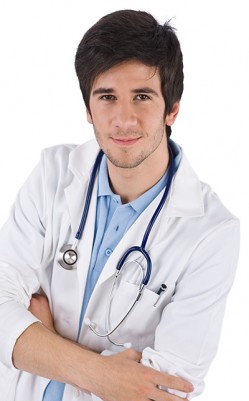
(167, 301)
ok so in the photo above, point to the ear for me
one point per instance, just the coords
(171, 117)
(88, 116)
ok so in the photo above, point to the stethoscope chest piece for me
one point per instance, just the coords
(68, 257)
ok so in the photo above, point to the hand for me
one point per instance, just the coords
(123, 378)
(39, 307)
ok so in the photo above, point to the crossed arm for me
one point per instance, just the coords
(41, 351)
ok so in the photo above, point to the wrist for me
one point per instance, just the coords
(83, 367)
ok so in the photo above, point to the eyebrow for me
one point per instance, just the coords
(146, 89)
(100, 91)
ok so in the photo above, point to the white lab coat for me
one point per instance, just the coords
(193, 246)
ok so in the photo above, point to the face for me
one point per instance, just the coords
(127, 113)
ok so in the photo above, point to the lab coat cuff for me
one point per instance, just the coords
(15, 319)
(165, 363)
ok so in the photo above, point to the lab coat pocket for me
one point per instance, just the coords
(140, 323)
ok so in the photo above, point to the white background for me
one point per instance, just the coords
(41, 105)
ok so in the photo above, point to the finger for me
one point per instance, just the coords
(174, 383)
(161, 395)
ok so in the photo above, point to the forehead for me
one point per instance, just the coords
(130, 74)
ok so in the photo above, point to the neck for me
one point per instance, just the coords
(130, 183)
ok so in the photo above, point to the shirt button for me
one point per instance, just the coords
(108, 251)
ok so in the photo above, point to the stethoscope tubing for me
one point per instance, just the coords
(163, 199)
(72, 248)
(140, 249)
(89, 196)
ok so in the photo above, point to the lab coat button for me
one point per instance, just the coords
(108, 251)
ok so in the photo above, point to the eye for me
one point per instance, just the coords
(142, 97)
(107, 97)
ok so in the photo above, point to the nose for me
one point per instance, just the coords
(125, 116)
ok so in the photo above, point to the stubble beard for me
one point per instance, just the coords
(129, 161)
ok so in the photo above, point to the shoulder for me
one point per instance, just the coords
(69, 158)
(217, 217)
(197, 207)
(213, 203)
(58, 154)
(196, 198)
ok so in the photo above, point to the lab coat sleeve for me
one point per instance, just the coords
(21, 248)
(187, 336)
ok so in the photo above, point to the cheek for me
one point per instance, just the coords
(153, 115)
(99, 115)
(155, 121)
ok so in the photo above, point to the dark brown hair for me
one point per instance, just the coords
(131, 35)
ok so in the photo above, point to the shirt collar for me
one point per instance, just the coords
(145, 199)
(104, 186)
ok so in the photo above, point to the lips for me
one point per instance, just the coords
(125, 141)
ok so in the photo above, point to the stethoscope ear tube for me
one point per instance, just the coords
(92, 325)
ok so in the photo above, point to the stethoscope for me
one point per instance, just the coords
(68, 255)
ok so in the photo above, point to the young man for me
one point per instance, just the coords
(174, 244)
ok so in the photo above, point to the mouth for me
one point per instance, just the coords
(125, 141)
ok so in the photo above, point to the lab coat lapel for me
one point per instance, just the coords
(186, 198)
(75, 195)
(81, 164)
